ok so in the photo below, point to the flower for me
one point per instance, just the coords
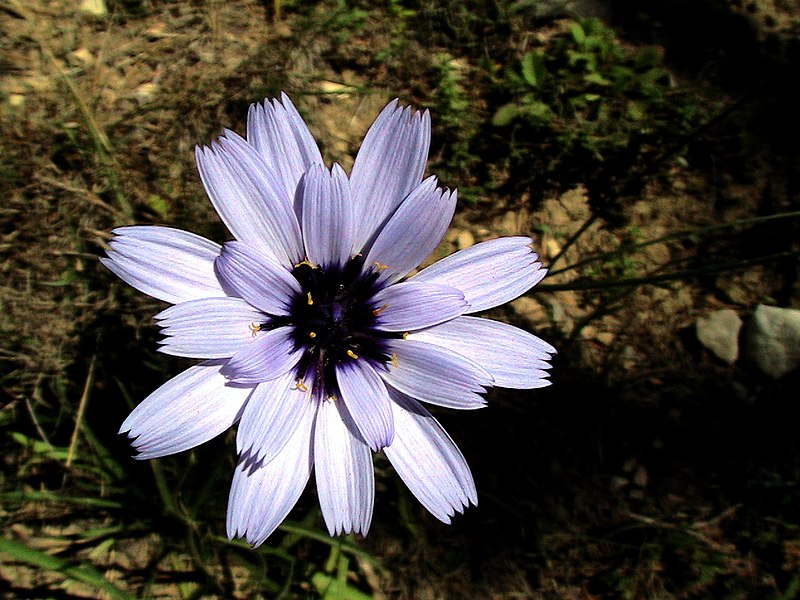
(314, 337)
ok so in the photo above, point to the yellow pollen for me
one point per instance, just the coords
(299, 385)
(352, 354)
(378, 311)
(381, 266)
(310, 299)
(312, 334)
(405, 335)
(394, 360)
(307, 263)
(255, 328)
(331, 398)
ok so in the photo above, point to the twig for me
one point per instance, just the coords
(28, 406)
(720, 517)
(586, 224)
(588, 284)
(630, 248)
(87, 388)
(687, 530)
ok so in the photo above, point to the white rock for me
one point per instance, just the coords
(772, 340)
(719, 333)
(96, 8)
(465, 239)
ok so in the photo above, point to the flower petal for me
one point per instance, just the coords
(345, 478)
(327, 216)
(411, 305)
(186, 411)
(270, 355)
(490, 273)
(432, 374)
(248, 273)
(242, 188)
(208, 328)
(165, 263)
(413, 231)
(367, 401)
(282, 139)
(515, 358)
(428, 461)
(275, 410)
(389, 164)
(261, 497)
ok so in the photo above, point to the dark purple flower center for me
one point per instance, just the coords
(334, 320)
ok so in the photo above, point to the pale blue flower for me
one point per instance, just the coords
(315, 339)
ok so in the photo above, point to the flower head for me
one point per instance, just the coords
(314, 337)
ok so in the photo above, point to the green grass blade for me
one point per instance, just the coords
(83, 573)
(47, 496)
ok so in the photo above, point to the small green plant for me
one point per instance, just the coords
(455, 109)
(399, 17)
(595, 111)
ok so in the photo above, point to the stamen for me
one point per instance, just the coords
(378, 311)
(299, 385)
(255, 328)
(312, 334)
(309, 299)
(352, 354)
(405, 335)
(380, 266)
(394, 360)
(306, 262)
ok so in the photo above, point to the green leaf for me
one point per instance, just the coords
(596, 79)
(48, 496)
(532, 110)
(83, 573)
(331, 588)
(538, 111)
(533, 69)
(505, 115)
(159, 205)
(39, 447)
(578, 34)
(637, 110)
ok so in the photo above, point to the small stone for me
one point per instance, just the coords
(772, 340)
(529, 309)
(557, 312)
(465, 239)
(605, 337)
(617, 483)
(640, 477)
(146, 92)
(334, 87)
(96, 8)
(510, 223)
(719, 333)
(552, 248)
(83, 55)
